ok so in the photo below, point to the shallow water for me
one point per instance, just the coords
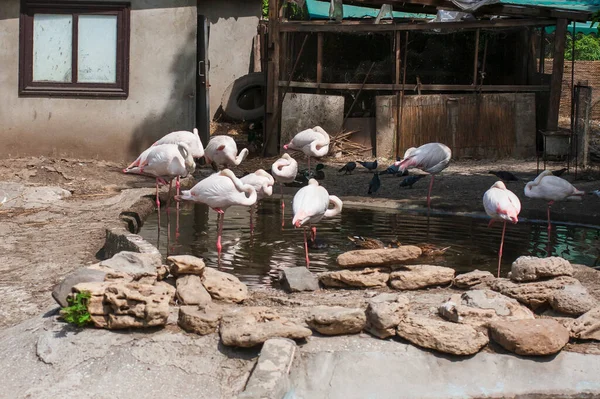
(256, 258)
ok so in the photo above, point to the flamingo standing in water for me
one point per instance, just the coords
(431, 158)
(310, 205)
(285, 170)
(501, 204)
(220, 191)
(312, 142)
(222, 150)
(164, 162)
(263, 184)
(551, 188)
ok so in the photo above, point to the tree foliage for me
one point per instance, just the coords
(587, 48)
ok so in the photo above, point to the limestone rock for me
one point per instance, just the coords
(387, 297)
(134, 263)
(573, 300)
(383, 316)
(185, 264)
(378, 257)
(200, 321)
(473, 279)
(414, 277)
(530, 268)
(190, 290)
(480, 307)
(442, 336)
(530, 337)
(355, 278)
(224, 286)
(62, 290)
(587, 326)
(296, 279)
(336, 320)
(534, 294)
(251, 326)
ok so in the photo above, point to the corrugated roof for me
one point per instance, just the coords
(577, 5)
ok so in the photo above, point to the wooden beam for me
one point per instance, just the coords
(476, 57)
(271, 128)
(398, 61)
(557, 74)
(319, 57)
(413, 87)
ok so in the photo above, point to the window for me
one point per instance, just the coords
(74, 48)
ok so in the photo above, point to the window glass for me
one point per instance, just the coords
(52, 51)
(97, 52)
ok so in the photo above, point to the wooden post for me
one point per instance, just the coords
(542, 49)
(319, 58)
(476, 58)
(558, 65)
(271, 127)
(397, 81)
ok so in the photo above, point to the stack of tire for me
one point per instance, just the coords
(235, 102)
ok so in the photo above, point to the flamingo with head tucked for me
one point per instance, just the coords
(310, 205)
(284, 170)
(431, 158)
(263, 184)
(312, 142)
(220, 191)
(501, 204)
(222, 150)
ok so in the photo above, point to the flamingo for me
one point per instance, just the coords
(222, 150)
(310, 205)
(220, 191)
(312, 142)
(501, 204)
(431, 158)
(263, 184)
(551, 188)
(164, 162)
(285, 170)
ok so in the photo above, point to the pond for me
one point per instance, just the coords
(256, 258)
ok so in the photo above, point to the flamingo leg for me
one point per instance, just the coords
(490, 223)
(313, 235)
(429, 192)
(251, 219)
(158, 210)
(178, 187)
(309, 166)
(549, 226)
(282, 206)
(501, 245)
(168, 216)
(306, 248)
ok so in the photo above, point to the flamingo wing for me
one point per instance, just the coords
(192, 139)
(310, 204)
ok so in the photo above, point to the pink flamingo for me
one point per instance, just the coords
(312, 142)
(431, 158)
(164, 162)
(222, 150)
(263, 184)
(284, 170)
(501, 204)
(220, 191)
(310, 205)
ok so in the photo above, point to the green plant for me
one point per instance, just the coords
(77, 313)
(587, 48)
(265, 9)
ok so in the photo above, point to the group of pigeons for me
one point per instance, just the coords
(375, 182)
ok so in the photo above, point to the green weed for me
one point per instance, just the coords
(77, 313)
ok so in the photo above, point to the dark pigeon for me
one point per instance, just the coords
(391, 170)
(374, 184)
(506, 176)
(348, 168)
(369, 165)
(559, 172)
(410, 180)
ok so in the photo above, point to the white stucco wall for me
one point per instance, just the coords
(161, 91)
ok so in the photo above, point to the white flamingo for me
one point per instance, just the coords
(263, 184)
(284, 170)
(310, 205)
(220, 191)
(551, 188)
(164, 162)
(312, 142)
(222, 150)
(431, 158)
(501, 204)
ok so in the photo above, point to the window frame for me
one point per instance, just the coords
(27, 87)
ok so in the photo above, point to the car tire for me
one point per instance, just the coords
(233, 96)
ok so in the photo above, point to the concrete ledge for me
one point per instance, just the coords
(119, 239)
(270, 378)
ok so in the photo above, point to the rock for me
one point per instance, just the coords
(250, 326)
(200, 321)
(162, 272)
(296, 279)
(573, 300)
(420, 276)
(336, 320)
(383, 316)
(534, 294)
(480, 307)
(62, 290)
(473, 279)
(442, 336)
(224, 286)
(127, 305)
(530, 268)
(387, 297)
(185, 264)
(378, 257)
(530, 337)
(355, 278)
(587, 326)
(190, 290)
(134, 263)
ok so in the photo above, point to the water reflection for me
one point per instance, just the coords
(256, 257)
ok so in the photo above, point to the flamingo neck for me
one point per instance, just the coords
(337, 206)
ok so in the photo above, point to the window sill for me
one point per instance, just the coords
(72, 92)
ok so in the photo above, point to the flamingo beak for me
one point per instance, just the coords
(285, 147)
